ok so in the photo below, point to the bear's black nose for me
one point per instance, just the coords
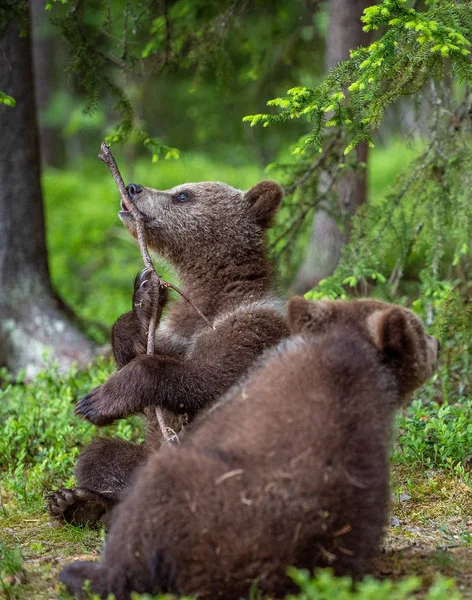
(133, 190)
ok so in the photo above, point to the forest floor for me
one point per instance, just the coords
(431, 529)
(431, 533)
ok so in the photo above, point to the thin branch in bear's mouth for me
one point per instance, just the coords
(129, 207)
(109, 160)
(142, 216)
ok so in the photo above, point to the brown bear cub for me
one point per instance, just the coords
(290, 468)
(214, 236)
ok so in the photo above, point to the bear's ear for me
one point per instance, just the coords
(390, 330)
(264, 200)
(304, 315)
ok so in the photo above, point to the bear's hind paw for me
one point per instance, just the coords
(78, 506)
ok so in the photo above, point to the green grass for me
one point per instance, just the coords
(41, 438)
(436, 435)
(326, 587)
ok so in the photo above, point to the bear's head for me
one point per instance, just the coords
(204, 221)
(396, 332)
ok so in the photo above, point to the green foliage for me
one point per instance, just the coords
(7, 100)
(49, 4)
(303, 176)
(10, 561)
(89, 63)
(41, 437)
(11, 566)
(436, 436)
(180, 68)
(421, 229)
(436, 429)
(325, 586)
(390, 238)
(355, 94)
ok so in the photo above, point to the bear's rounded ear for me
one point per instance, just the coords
(264, 200)
(390, 330)
(304, 315)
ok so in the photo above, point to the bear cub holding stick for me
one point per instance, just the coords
(214, 236)
(290, 468)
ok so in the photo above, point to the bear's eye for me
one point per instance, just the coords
(182, 197)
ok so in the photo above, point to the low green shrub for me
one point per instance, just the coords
(41, 437)
(436, 436)
(323, 585)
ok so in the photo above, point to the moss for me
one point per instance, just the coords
(43, 550)
(433, 534)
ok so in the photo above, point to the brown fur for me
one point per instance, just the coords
(215, 240)
(291, 468)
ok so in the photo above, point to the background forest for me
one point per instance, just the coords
(368, 129)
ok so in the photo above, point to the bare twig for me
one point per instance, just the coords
(398, 270)
(315, 165)
(306, 207)
(109, 160)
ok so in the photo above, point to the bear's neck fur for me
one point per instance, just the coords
(220, 282)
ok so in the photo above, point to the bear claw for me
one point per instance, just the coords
(87, 408)
(78, 506)
(60, 501)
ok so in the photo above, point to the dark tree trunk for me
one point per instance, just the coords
(31, 319)
(44, 61)
(327, 239)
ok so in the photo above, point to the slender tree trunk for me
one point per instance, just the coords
(44, 62)
(32, 321)
(327, 239)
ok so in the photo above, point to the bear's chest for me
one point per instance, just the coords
(174, 340)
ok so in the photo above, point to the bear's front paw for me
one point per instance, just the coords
(146, 291)
(92, 407)
(103, 405)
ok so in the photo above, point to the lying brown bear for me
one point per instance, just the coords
(290, 468)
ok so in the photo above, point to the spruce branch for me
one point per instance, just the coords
(108, 158)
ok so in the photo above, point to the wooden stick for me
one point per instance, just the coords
(108, 158)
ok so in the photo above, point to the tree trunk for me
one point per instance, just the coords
(327, 239)
(32, 321)
(44, 62)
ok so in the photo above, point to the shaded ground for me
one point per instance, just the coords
(432, 533)
(45, 549)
